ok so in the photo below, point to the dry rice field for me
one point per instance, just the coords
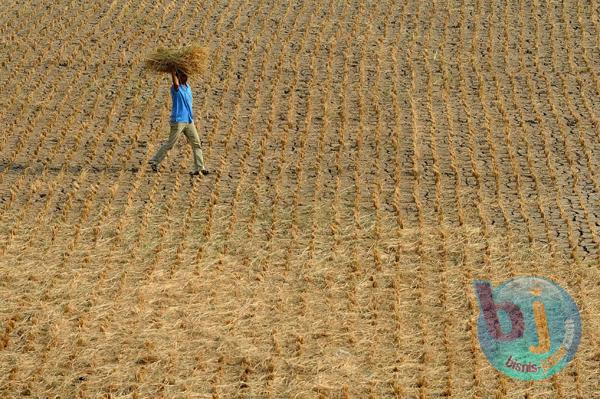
(370, 160)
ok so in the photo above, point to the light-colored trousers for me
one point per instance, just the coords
(189, 129)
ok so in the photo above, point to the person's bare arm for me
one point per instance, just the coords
(175, 80)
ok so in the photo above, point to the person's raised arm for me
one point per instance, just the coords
(175, 79)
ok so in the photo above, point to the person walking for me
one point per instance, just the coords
(182, 120)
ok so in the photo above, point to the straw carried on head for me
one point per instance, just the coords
(191, 60)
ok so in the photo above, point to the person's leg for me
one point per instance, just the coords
(192, 135)
(176, 128)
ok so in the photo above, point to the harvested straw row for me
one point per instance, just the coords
(191, 60)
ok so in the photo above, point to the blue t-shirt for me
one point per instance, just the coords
(182, 104)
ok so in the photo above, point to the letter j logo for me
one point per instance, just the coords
(529, 327)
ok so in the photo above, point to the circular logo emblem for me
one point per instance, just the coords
(529, 327)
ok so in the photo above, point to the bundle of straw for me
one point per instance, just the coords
(191, 60)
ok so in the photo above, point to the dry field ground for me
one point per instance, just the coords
(371, 159)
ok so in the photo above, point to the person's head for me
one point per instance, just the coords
(181, 76)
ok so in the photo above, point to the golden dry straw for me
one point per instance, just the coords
(190, 59)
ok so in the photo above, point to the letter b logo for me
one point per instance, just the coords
(490, 314)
